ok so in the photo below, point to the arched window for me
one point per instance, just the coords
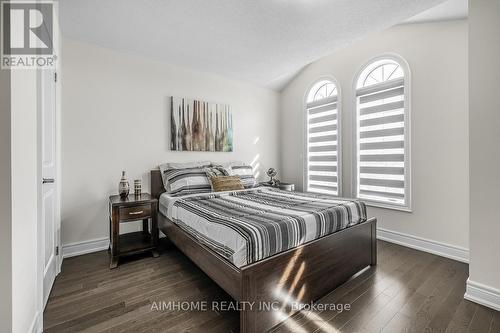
(321, 90)
(322, 172)
(382, 168)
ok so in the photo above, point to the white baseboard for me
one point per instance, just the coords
(426, 245)
(36, 325)
(76, 249)
(85, 247)
(482, 294)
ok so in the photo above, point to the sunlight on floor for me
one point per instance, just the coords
(290, 323)
(288, 300)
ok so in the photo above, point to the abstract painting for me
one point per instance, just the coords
(200, 126)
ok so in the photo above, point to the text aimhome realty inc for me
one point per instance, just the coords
(223, 306)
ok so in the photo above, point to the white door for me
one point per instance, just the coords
(48, 191)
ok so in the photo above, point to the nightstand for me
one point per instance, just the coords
(286, 186)
(281, 186)
(132, 208)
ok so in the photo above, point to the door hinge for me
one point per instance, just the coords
(57, 250)
(55, 76)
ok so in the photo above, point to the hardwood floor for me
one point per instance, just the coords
(408, 291)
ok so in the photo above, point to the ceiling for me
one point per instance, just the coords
(448, 10)
(265, 42)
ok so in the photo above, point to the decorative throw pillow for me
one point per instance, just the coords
(245, 172)
(216, 170)
(226, 183)
(186, 181)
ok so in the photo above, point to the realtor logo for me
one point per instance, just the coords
(27, 34)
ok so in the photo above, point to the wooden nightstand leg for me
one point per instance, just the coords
(114, 262)
(109, 245)
(154, 229)
(115, 234)
(145, 226)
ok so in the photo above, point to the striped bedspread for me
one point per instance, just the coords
(249, 225)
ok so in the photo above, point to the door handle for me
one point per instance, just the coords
(48, 180)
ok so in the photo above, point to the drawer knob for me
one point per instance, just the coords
(136, 213)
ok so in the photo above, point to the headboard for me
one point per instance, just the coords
(157, 187)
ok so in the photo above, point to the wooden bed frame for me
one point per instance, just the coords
(305, 273)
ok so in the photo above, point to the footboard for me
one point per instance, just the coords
(276, 285)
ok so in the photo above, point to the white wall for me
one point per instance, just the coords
(437, 55)
(5, 206)
(115, 116)
(484, 115)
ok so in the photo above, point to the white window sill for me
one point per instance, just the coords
(386, 206)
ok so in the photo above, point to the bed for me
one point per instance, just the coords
(270, 248)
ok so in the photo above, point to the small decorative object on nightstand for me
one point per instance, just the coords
(132, 208)
(124, 186)
(137, 187)
(271, 174)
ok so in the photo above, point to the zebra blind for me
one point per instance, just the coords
(322, 146)
(381, 132)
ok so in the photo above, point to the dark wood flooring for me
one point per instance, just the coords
(408, 291)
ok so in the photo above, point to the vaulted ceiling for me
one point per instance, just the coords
(262, 41)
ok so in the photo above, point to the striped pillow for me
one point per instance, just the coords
(190, 165)
(226, 183)
(245, 172)
(186, 181)
(187, 165)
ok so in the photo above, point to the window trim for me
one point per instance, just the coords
(407, 137)
(339, 133)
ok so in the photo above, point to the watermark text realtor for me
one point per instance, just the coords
(27, 30)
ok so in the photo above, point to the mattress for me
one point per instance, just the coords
(249, 225)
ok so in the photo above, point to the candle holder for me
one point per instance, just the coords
(137, 187)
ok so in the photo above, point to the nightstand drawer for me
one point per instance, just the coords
(135, 213)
